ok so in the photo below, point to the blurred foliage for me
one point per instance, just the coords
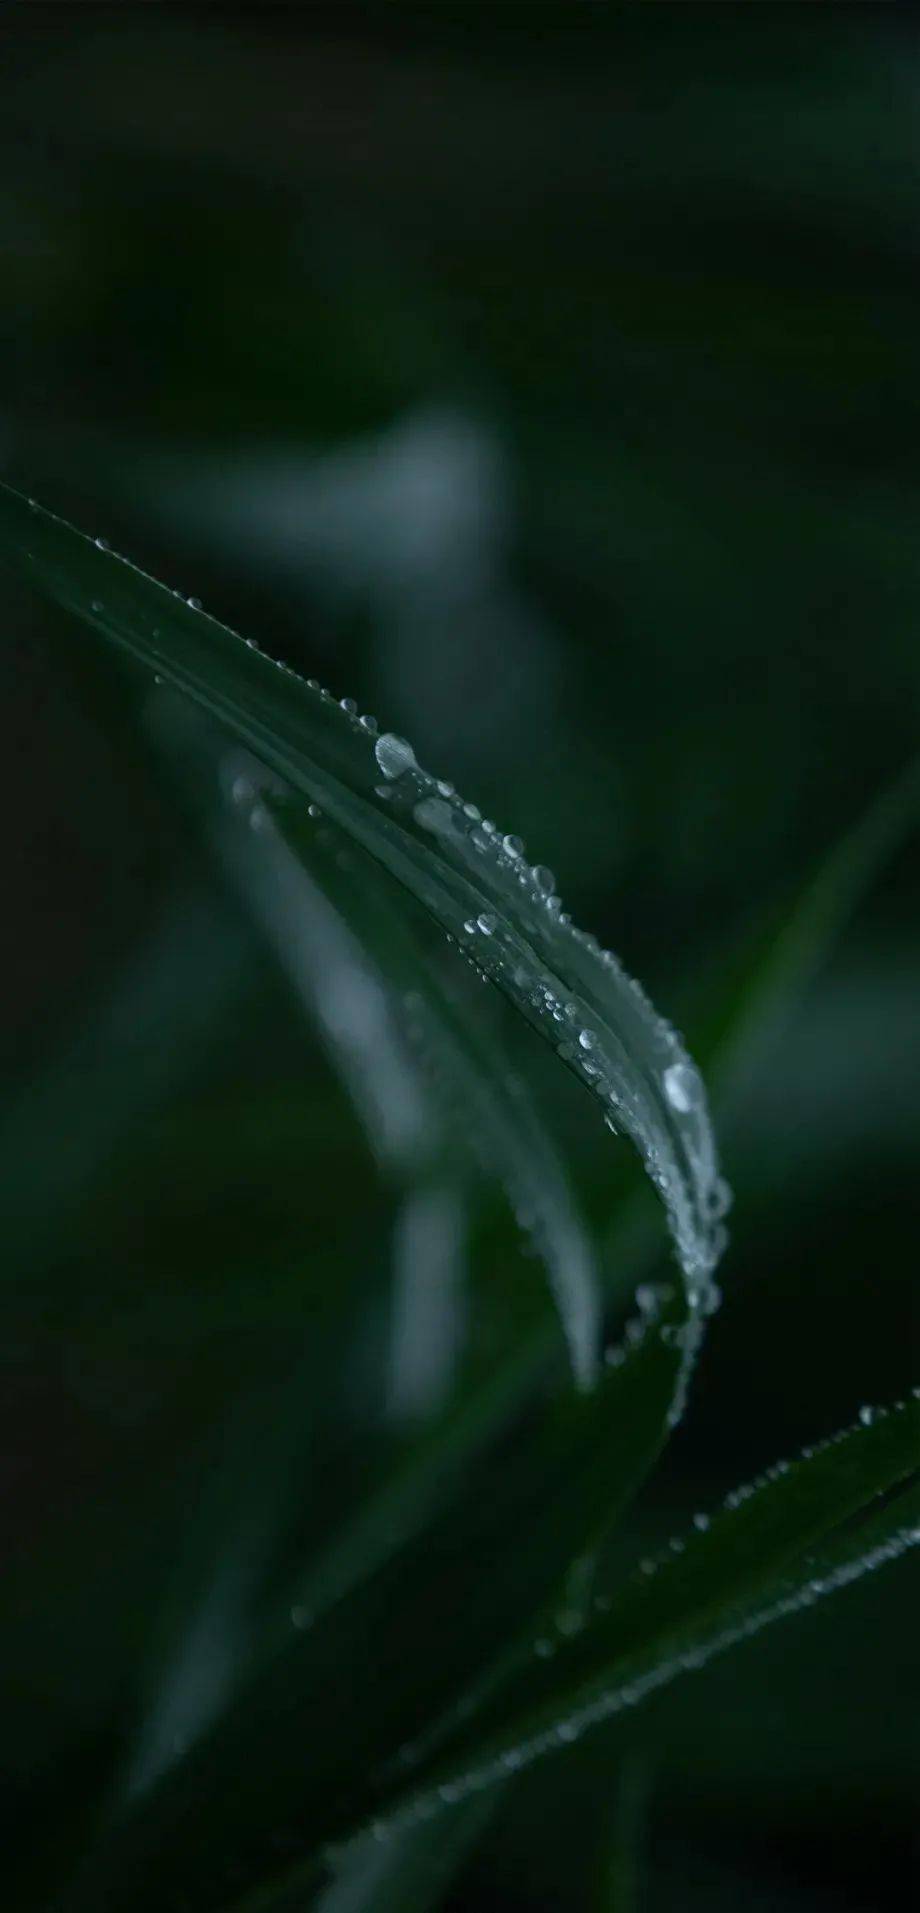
(547, 378)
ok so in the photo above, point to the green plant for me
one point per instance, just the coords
(360, 1765)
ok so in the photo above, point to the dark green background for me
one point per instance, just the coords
(548, 380)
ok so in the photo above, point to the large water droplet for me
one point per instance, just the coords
(544, 879)
(394, 755)
(682, 1087)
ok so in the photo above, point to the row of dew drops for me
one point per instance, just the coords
(695, 1195)
(570, 1621)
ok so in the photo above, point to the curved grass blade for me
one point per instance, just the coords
(775, 1547)
(472, 880)
(324, 949)
(491, 1117)
(416, 1063)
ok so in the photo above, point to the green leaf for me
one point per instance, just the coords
(775, 1546)
(438, 1100)
(474, 882)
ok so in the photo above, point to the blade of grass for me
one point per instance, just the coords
(473, 881)
(403, 1038)
(775, 1547)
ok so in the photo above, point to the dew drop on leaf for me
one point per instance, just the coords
(682, 1087)
(394, 755)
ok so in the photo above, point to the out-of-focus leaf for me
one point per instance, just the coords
(484, 1573)
(782, 959)
(620, 1886)
(407, 1874)
(162, 1015)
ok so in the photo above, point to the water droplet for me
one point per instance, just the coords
(701, 1521)
(514, 845)
(682, 1087)
(544, 879)
(394, 755)
(486, 924)
(867, 1416)
(368, 723)
(348, 704)
(96, 605)
(313, 810)
(587, 1039)
(102, 544)
(194, 604)
(242, 790)
(470, 810)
